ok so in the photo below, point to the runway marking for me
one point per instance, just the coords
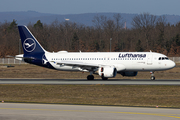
(151, 114)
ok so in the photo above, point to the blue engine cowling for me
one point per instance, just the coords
(128, 73)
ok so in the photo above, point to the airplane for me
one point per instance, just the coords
(105, 64)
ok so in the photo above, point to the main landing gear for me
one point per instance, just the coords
(90, 77)
(103, 78)
(152, 75)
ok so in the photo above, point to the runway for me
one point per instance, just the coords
(97, 81)
(17, 111)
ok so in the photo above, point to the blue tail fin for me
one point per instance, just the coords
(29, 43)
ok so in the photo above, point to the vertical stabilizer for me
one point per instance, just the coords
(29, 43)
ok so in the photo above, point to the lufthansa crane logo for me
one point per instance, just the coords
(44, 60)
(29, 45)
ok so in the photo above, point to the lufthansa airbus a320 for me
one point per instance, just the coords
(106, 64)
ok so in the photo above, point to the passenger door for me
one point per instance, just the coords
(149, 59)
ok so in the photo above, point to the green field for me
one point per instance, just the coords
(32, 71)
(121, 95)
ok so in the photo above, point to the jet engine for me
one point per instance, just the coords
(128, 73)
(107, 72)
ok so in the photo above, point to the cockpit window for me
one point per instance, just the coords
(163, 58)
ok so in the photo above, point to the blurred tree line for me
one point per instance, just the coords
(149, 32)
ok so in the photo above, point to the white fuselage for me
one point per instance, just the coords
(122, 61)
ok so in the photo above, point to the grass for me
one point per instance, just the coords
(123, 95)
(32, 71)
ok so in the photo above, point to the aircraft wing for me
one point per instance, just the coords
(78, 64)
(87, 66)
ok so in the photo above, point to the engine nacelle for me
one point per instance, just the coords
(107, 72)
(129, 73)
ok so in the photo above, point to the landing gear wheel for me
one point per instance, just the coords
(152, 78)
(90, 77)
(152, 75)
(104, 78)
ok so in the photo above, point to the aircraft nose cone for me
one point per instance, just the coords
(172, 64)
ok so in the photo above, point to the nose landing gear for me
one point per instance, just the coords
(152, 75)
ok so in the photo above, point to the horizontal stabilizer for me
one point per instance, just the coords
(9, 56)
